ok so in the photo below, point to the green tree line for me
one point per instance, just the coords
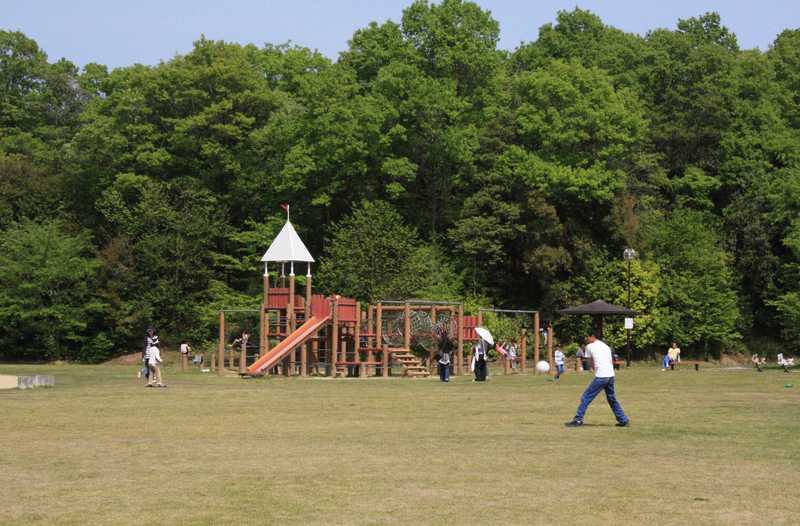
(423, 162)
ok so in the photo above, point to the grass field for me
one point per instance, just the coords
(714, 447)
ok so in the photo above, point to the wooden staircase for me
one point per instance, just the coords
(412, 367)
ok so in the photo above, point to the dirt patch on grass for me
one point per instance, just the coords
(169, 357)
(733, 360)
(126, 359)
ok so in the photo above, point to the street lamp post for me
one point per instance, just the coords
(629, 254)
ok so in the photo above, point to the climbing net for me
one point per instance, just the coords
(392, 328)
(424, 331)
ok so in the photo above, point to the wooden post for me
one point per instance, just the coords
(379, 338)
(308, 293)
(480, 324)
(335, 340)
(263, 338)
(315, 354)
(370, 327)
(379, 326)
(307, 348)
(343, 333)
(523, 350)
(291, 317)
(357, 338)
(431, 351)
(407, 327)
(221, 359)
(267, 330)
(370, 339)
(243, 357)
(550, 348)
(304, 358)
(536, 341)
(598, 325)
(460, 339)
(329, 339)
(262, 331)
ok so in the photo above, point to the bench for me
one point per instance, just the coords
(696, 364)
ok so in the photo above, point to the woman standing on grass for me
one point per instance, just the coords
(445, 353)
(479, 360)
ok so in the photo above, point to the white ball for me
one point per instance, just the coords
(543, 367)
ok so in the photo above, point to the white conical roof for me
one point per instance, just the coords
(287, 246)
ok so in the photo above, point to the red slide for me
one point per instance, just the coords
(298, 337)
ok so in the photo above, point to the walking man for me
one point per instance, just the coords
(603, 381)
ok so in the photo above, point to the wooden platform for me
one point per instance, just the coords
(26, 382)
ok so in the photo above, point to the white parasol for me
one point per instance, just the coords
(485, 335)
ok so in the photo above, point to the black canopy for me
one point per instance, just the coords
(598, 308)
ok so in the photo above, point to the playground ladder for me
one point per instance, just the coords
(412, 367)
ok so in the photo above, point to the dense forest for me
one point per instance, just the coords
(423, 162)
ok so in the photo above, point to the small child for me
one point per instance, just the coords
(785, 362)
(756, 362)
(512, 355)
(145, 370)
(559, 356)
(155, 368)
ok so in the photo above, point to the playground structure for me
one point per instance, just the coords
(303, 334)
(522, 337)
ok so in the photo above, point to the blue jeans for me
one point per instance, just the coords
(597, 385)
(559, 370)
(444, 372)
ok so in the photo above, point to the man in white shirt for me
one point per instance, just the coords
(603, 361)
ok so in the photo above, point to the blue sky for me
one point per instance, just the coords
(147, 31)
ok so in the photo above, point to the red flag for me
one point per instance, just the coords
(285, 207)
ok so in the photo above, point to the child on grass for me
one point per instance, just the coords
(155, 368)
(559, 357)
